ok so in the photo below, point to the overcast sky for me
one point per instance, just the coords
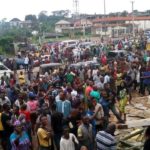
(19, 8)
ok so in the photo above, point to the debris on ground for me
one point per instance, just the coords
(130, 136)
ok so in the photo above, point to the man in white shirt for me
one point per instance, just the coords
(100, 84)
(68, 140)
(26, 63)
(106, 78)
(4, 99)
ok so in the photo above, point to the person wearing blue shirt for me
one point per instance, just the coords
(90, 113)
(63, 105)
(105, 104)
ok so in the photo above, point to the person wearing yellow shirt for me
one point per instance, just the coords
(44, 134)
(21, 78)
(1, 125)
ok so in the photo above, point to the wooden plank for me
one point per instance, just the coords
(137, 116)
(136, 147)
(138, 123)
(132, 134)
(125, 143)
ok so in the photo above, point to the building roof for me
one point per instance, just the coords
(15, 19)
(129, 18)
(112, 25)
(64, 22)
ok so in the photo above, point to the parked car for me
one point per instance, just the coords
(86, 44)
(85, 64)
(2, 57)
(49, 67)
(3, 69)
(116, 54)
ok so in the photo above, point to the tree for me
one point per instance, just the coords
(61, 13)
(31, 18)
(6, 44)
(124, 13)
(42, 17)
(34, 21)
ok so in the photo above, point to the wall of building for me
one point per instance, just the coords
(59, 28)
(101, 31)
(143, 24)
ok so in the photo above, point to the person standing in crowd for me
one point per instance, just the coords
(105, 140)
(7, 125)
(118, 80)
(6, 78)
(70, 77)
(128, 81)
(21, 78)
(1, 125)
(26, 63)
(44, 134)
(85, 133)
(111, 94)
(32, 105)
(19, 139)
(20, 100)
(63, 105)
(98, 114)
(123, 100)
(95, 94)
(147, 137)
(57, 125)
(104, 101)
(88, 89)
(3, 98)
(68, 140)
(2, 83)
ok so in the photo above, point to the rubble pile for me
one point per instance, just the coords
(131, 135)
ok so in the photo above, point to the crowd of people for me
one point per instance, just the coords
(69, 108)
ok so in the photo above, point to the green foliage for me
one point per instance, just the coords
(6, 45)
(31, 18)
(47, 23)
(43, 24)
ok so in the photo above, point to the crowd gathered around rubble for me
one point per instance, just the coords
(68, 107)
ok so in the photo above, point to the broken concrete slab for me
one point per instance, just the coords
(138, 123)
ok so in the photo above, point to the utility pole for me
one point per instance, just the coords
(76, 13)
(133, 27)
(118, 26)
(76, 8)
(105, 16)
(104, 7)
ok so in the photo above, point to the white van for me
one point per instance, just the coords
(69, 43)
(3, 69)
